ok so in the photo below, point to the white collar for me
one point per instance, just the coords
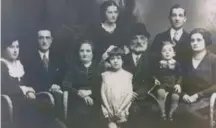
(42, 54)
(15, 69)
(135, 56)
(179, 32)
(87, 65)
(108, 29)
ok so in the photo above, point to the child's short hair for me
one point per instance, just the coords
(115, 52)
(166, 43)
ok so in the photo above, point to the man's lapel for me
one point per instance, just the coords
(131, 61)
(168, 35)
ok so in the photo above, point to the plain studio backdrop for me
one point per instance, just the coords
(25, 16)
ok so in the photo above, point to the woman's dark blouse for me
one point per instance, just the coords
(201, 80)
(169, 77)
(10, 85)
(80, 77)
(103, 39)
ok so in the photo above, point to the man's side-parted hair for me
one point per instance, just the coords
(174, 7)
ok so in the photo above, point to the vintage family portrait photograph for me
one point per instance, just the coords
(108, 63)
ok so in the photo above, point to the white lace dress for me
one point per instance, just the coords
(116, 87)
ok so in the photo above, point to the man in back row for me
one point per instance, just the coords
(175, 34)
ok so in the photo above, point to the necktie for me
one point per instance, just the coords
(45, 62)
(175, 38)
(137, 60)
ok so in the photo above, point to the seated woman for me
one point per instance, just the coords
(81, 80)
(12, 73)
(200, 75)
(108, 32)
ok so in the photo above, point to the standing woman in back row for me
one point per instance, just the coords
(108, 32)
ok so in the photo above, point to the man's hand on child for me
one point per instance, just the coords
(177, 88)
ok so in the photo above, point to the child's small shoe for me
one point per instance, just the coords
(163, 117)
(170, 118)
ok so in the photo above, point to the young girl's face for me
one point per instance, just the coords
(116, 62)
(167, 52)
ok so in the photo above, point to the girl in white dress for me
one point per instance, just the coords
(116, 90)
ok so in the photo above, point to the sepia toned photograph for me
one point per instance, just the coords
(108, 63)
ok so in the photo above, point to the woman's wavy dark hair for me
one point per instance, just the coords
(206, 35)
(6, 41)
(104, 7)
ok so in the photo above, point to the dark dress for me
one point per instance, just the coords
(22, 108)
(10, 87)
(79, 77)
(103, 39)
(25, 111)
(202, 81)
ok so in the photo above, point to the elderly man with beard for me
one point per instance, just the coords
(137, 62)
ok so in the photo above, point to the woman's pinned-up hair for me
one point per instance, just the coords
(104, 7)
(206, 35)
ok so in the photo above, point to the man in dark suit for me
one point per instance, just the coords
(137, 62)
(44, 69)
(175, 34)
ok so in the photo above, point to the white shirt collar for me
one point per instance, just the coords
(179, 33)
(135, 56)
(42, 54)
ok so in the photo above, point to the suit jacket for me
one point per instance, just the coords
(182, 47)
(141, 75)
(38, 77)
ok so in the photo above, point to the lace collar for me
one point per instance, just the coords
(107, 29)
(15, 69)
(168, 64)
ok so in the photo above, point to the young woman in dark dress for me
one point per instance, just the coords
(12, 81)
(81, 80)
(108, 32)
